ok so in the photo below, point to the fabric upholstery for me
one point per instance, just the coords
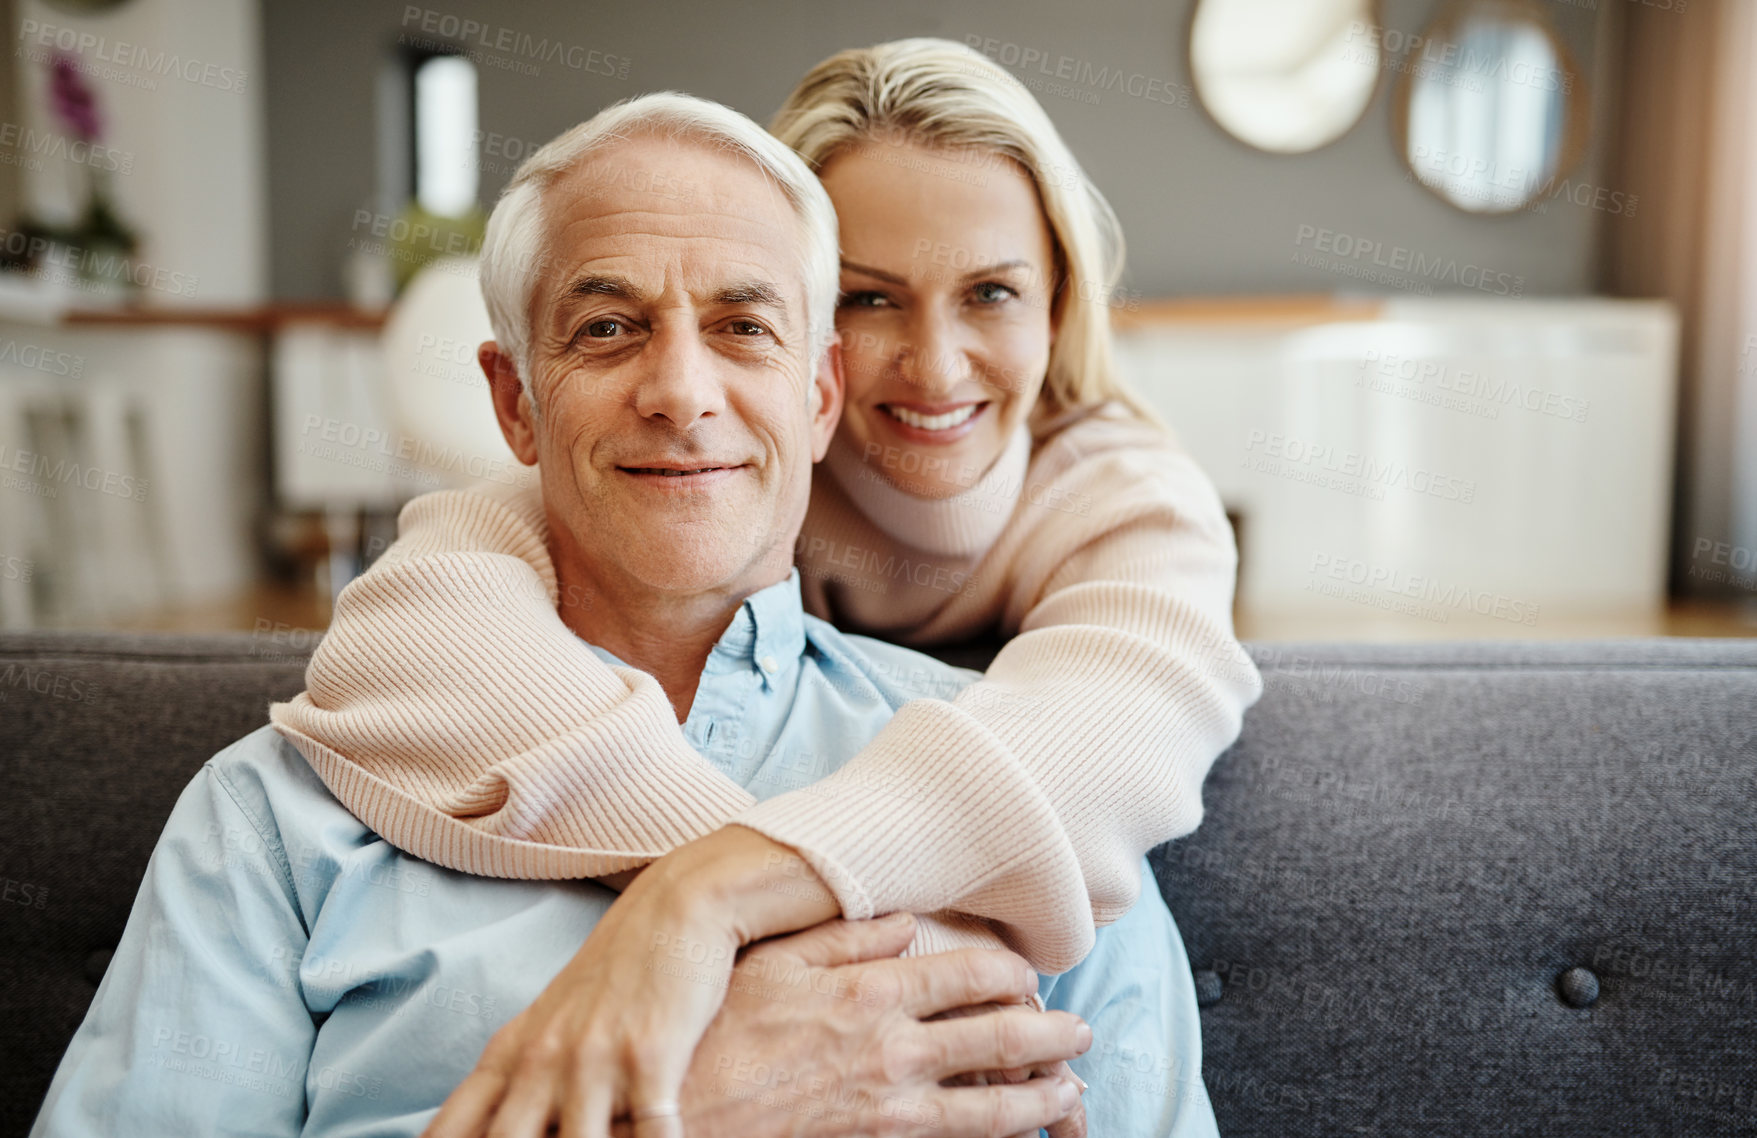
(1403, 856)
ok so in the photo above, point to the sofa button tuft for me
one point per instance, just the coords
(97, 963)
(1579, 987)
(1208, 988)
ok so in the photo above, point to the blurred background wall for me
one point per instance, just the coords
(1203, 212)
(252, 386)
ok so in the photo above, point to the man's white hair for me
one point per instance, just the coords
(514, 248)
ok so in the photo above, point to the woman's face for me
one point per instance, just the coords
(947, 282)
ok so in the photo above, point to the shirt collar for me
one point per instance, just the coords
(766, 634)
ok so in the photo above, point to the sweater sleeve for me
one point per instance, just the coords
(1039, 788)
(453, 712)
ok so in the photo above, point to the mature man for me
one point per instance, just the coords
(286, 970)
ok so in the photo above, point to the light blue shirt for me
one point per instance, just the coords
(286, 971)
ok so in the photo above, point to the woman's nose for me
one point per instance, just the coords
(932, 357)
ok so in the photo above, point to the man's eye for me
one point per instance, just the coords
(602, 329)
(747, 328)
(864, 299)
(991, 292)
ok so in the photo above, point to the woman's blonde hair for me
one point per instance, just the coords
(945, 95)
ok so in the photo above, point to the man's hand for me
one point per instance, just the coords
(613, 1033)
(822, 1034)
(1073, 1126)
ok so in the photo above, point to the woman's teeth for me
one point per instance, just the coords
(932, 422)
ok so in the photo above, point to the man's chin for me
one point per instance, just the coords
(687, 564)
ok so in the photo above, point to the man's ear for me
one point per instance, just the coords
(511, 405)
(828, 386)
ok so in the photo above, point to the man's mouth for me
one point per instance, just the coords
(673, 471)
(932, 419)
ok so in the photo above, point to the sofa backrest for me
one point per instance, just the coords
(1497, 889)
(1418, 864)
(99, 734)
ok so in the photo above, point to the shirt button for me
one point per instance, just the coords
(767, 664)
(1579, 987)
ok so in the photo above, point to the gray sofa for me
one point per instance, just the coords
(1457, 890)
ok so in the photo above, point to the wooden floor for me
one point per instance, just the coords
(272, 607)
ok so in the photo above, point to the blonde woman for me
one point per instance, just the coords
(991, 476)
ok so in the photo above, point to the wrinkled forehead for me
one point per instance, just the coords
(673, 211)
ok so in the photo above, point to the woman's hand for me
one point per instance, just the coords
(614, 1032)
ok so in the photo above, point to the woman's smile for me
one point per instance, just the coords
(932, 424)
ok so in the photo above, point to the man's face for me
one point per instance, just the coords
(670, 357)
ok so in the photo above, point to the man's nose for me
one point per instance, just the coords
(679, 382)
(931, 358)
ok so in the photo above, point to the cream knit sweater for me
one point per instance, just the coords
(455, 714)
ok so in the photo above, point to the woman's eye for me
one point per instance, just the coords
(864, 299)
(990, 292)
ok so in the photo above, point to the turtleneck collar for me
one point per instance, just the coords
(962, 525)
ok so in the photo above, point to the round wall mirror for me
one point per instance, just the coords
(1286, 76)
(1490, 109)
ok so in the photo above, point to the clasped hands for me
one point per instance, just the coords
(688, 1011)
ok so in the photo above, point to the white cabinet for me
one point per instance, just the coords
(1458, 462)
